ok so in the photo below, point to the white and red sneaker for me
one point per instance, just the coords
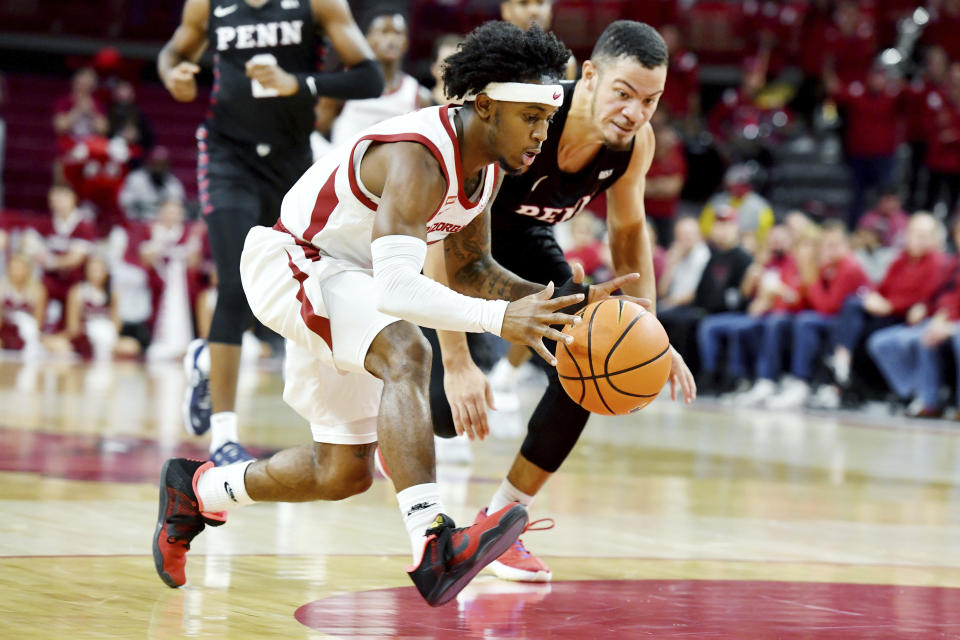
(517, 563)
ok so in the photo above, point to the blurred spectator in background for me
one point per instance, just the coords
(61, 248)
(902, 296)
(133, 284)
(445, 47)
(588, 249)
(747, 123)
(3, 132)
(386, 29)
(665, 179)
(887, 218)
(941, 31)
(830, 277)
(770, 284)
(146, 188)
(681, 95)
(872, 106)
(92, 323)
(526, 13)
(851, 43)
(23, 301)
(925, 96)
(943, 147)
(718, 289)
(126, 120)
(810, 42)
(754, 214)
(78, 115)
(683, 265)
(171, 251)
(659, 254)
(874, 256)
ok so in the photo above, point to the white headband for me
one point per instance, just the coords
(551, 94)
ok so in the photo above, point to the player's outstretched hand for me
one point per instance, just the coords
(469, 394)
(527, 320)
(680, 378)
(603, 290)
(181, 83)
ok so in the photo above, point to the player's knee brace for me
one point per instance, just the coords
(232, 315)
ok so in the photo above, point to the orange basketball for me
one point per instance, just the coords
(619, 359)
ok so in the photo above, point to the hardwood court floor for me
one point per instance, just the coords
(692, 522)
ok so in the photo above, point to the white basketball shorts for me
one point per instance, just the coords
(326, 310)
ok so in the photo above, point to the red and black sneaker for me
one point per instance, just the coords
(180, 518)
(452, 557)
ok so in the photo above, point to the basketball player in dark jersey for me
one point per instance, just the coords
(252, 147)
(600, 140)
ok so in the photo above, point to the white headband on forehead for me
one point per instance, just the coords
(551, 94)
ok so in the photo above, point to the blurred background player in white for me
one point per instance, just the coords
(253, 146)
(386, 30)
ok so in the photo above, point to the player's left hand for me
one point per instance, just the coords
(603, 290)
(680, 378)
(469, 394)
(272, 76)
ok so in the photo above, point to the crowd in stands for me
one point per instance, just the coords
(771, 304)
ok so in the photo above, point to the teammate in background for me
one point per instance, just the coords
(599, 140)
(526, 13)
(339, 276)
(387, 33)
(443, 48)
(253, 146)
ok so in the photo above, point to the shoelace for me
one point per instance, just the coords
(531, 526)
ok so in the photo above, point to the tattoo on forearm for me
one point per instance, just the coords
(475, 272)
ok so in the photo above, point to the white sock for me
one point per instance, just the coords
(223, 429)
(419, 505)
(222, 488)
(506, 494)
(841, 365)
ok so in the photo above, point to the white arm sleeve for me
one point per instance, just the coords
(404, 292)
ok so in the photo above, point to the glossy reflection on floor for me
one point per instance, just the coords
(677, 522)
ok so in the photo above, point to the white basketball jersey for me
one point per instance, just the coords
(357, 115)
(331, 210)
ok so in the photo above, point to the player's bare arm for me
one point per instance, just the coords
(630, 244)
(176, 63)
(412, 187)
(471, 268)
(467, 389)
(346, 38)
(626, 219)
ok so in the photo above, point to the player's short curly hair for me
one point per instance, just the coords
(637, 40)
(501, 52)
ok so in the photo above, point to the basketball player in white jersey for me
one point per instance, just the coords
(526, 13)
(339, 276)
(387, 33)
